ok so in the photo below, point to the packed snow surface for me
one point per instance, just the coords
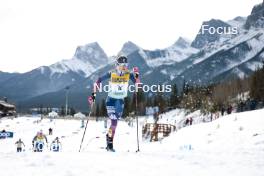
(231, 145)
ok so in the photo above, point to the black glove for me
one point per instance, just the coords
(136, 75)
(93, 96)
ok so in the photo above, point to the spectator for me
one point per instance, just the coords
(241, 106)
(223, 111)
(253, 105)
(191, 120)
(156, 117)
(216, 115)
(187, 122)
(247, 105)
(229, 109)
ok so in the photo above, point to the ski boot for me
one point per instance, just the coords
(109, 144)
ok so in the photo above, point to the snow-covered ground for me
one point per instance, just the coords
(231, 145)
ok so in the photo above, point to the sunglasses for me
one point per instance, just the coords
(122, 64)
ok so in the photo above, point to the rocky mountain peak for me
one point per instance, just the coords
(256, 18)
(92, 53)
(208, 33)
(128, 48)
(182, 43)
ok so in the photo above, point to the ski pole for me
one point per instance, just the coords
(86, 125)
(137, 122)
(136, 71)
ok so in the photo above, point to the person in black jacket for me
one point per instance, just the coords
(50, 131)
(223, 111)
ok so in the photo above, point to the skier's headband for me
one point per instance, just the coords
(122, 64)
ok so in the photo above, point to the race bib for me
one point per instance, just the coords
(118, 85)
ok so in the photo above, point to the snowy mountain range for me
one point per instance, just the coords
(209, 58)
(85, 61)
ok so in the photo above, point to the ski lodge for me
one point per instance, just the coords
(7, 109)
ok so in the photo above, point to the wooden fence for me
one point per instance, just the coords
(156, 131)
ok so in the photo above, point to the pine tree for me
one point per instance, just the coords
(127, 106)
(161, 102)
(133, 103)
(72, 111)
(257, 85)
(97, 111)
(185, 88)
(41, 109)
(155, 100)
(103, 111)
(47, 111)
(149, 101)
(62, 111)
(141, 102)
(174, 98)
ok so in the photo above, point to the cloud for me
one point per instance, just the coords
(35, 33)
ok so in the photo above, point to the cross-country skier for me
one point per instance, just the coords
(19, 144)
(118, 89)
(50, 131)
(55, 146)
(39, 141)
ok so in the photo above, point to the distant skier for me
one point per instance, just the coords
(38, 142)
(50, 131)
(19, 144)
(118, 83)
(55, 146)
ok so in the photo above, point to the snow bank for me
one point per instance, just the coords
(231, 145)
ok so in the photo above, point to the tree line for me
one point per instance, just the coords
(239, 92)
(245, 93)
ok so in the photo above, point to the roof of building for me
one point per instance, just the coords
(6, 104)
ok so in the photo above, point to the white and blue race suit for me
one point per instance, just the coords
(118, 90)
